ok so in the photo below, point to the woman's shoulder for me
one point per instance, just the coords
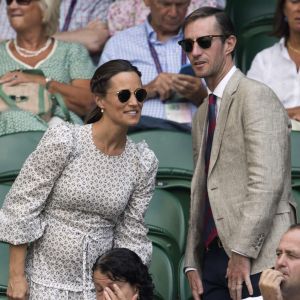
(63, 132)
(69, 46)
(145, 155)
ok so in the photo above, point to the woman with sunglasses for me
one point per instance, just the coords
(66, 67)
(83, 191)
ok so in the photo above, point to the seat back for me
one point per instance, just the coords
(165, 217)
(295, 153)
(14, 149)
(245, 12)
(4, 249)
(173, 150)
(251, 41)
(162, 272)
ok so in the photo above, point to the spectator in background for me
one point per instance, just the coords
(82, 21)
(119, 274)
(283, 283)
(67, 67)
(123, 14)
(83, 191)
(278, 66)
(152, 47)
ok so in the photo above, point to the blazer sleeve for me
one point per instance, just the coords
(266, 138)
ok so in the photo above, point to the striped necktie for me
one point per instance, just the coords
(210, 231)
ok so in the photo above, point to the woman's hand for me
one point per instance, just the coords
(17, 77)
(117, 294)
(18, 288)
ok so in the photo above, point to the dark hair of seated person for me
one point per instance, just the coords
(122, 264)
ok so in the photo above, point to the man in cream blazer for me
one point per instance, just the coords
(248, 179)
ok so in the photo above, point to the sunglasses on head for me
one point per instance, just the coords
(19, 2)
(124, 95)
(203, 42)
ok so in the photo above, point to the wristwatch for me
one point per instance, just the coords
(48, 82)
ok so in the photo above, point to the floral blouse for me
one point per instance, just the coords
(72, 202)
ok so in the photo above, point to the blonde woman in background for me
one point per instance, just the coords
(67, 67)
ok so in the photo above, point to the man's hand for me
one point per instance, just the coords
(195, 284)
(161, 86)
(294, 113)
(238, 271)
(17, 288)
(17, 77)
(189, 87)
(269, 284)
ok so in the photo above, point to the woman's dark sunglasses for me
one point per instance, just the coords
(19, 2)
(124, 95)
(203, 41)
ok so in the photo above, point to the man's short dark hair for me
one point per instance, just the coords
(224, 22)
(294, 227)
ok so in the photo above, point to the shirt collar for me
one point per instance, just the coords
(219, 90)
(283, 49)
(152, 36)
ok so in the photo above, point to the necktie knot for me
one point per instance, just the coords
(212, 99)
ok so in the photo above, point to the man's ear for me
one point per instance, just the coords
(230, 44)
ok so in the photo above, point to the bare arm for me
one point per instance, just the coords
(77, 95)
(93, 36)
(294, 113)
(17, 284)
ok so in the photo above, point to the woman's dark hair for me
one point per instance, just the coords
(100, 81)
(224, 22)
(280, 25)
(121, 264)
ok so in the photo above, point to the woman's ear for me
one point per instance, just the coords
(99, 101)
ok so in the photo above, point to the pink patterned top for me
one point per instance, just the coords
(127, 13)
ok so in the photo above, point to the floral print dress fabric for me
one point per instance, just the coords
(72, 202)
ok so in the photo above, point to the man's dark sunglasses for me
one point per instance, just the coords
(124, 95)
(203, 41)
(19, 2)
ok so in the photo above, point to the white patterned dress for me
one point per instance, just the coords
(72, 202)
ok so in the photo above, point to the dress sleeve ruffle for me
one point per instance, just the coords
(131, 231)
(21, 217)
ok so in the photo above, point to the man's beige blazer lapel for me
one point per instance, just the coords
(226, 101)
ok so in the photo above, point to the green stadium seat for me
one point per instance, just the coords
(165, 218)
(183, 284)
(14, 150)
(248, 12)
(4, 264)
(4, 253)
(295, 154)
(252, 41)
(162, 271)
(173, 150)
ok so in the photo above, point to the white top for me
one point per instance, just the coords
(274, 67)
(73, 202)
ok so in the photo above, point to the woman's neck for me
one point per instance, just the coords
(33, 40)
(108, 137)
